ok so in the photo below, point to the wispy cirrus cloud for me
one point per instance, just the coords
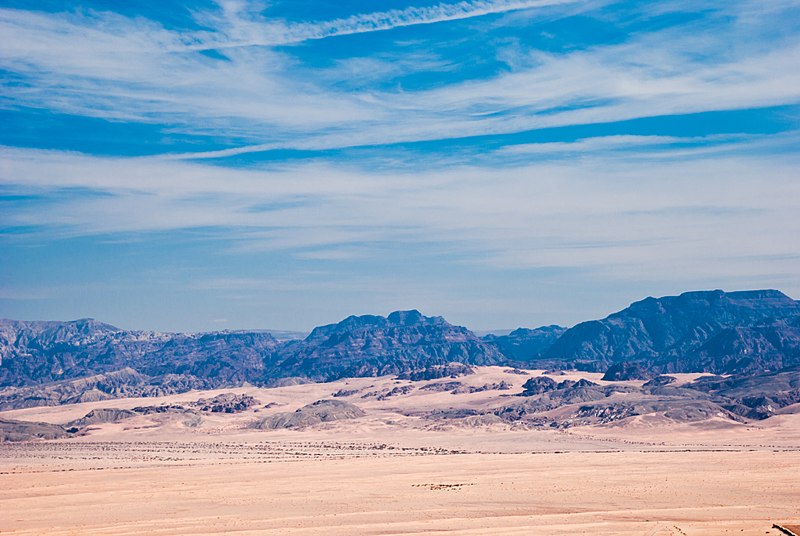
(242, 27)
(109, 66)
(555, 213)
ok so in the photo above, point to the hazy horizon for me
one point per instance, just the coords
(305, 331)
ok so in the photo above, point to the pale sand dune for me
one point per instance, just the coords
(391, 473)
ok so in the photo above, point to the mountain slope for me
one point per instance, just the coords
(710, 331)
(45, 363)
(526, 345)
(41, 352)
(404, 341)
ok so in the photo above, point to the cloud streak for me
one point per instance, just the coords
(108, 66)
(253, 31)
(561, 213)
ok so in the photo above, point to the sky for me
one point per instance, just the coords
(239, 164)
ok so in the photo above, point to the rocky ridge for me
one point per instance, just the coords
(743, 334)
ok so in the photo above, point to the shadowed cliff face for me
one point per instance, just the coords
(709, 331)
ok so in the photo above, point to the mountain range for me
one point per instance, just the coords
(743, 334)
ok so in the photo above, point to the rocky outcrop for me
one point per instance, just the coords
(754, 397)
(538, 385)
(388, 393)
(226, 403)
(321, 411)
(494, 386)
(442, 387)
(458, 388)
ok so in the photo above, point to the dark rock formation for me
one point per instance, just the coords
(344, 393)
(457, 388)
(442, 387)
(627, 370)
(538, 385)
(163, 408)
(495, 386)
(388, 393)
(226, 403)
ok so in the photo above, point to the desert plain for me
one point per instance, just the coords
(394, 471)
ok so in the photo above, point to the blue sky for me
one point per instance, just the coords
(284, 164)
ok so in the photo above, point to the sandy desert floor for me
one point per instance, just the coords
(392, 473)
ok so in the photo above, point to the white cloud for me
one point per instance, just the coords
(245, 28)
(106, 65)
(724, 212)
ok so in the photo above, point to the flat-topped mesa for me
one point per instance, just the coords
(411, 318)
(745, 304)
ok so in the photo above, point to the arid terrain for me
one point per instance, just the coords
(393, 468)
